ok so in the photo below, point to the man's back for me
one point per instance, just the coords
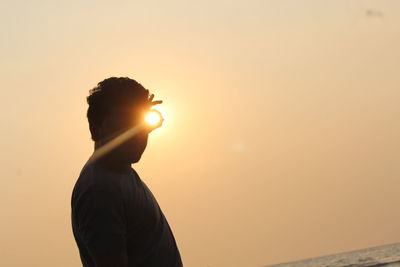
(115, 212)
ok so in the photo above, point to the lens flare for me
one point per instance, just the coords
(153, 118)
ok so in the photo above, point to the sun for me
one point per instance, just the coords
(153, 118)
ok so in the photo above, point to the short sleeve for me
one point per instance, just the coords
(101, 221)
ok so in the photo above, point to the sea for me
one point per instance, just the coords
(385, 256)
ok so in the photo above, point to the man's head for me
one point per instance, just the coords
(116, 105)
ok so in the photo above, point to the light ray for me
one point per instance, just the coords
(106, 148)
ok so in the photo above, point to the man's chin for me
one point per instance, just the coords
(135, 159)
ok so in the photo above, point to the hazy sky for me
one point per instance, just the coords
(282, 127)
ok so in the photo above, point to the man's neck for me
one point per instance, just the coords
(113, 161)
(121, 167)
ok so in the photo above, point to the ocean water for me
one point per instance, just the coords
(387, 256)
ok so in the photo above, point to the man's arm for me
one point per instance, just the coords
(111, 260)
(102, 225)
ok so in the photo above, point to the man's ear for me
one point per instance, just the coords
(109, 128)
(105, 128)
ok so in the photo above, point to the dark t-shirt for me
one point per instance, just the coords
(114, 212)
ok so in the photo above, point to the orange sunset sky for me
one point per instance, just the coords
(282, 130)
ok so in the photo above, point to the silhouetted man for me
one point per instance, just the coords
(116, 220)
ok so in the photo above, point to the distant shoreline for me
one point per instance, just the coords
(386, 264)
(380, 256)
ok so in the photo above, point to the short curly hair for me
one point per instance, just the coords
(109, 94)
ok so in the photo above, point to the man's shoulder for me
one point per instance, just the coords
(94, 178)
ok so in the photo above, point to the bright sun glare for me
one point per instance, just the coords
(153, 118)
